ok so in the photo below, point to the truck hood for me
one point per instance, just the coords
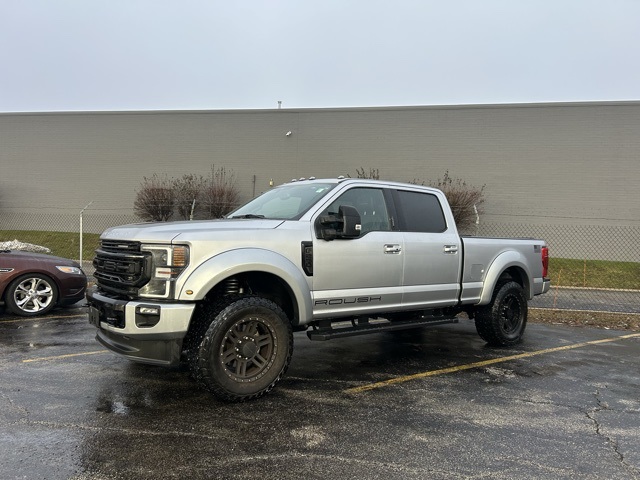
(169, 231)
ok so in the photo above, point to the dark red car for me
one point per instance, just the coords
(33, 283)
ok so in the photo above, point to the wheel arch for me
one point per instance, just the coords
(15, 276)
(508, 265)
(266, 273)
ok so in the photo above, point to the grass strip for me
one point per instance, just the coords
(567, 272)
(62, 244)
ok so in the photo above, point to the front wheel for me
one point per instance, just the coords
(245, 351)
(31, 294)
(502, 322)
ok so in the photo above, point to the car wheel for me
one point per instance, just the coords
(502, 322)
(245, 350)
(31, 294)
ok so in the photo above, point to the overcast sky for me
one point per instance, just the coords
(94, 55)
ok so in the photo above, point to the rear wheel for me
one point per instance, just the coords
(245, 350)
(503, 321)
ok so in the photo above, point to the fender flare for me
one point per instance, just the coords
(502, 262)
(243, 260)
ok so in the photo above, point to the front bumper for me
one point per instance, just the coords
(145, 332)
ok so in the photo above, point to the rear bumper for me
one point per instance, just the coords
(540, 286)
(146, 332)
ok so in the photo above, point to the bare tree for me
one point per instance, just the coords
(155, 199)
(220, 194)
(188, 191)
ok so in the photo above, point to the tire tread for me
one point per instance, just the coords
(487, 317)
(213, 322)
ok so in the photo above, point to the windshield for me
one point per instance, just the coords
(287, 202)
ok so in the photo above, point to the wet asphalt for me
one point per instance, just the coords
(435, 403)
(621, 301)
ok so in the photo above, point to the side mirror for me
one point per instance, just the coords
(351, 224)
(346, 224)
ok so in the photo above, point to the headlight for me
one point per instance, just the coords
(167, 263)
(72, 270)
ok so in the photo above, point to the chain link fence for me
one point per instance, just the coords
(592, 267)
(62, 233)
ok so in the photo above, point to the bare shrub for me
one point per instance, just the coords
(188, 191)
(373, 173)
(465, 200)
(220, 194)
(155, 199)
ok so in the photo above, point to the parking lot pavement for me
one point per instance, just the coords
(431, 403)
(622, 301)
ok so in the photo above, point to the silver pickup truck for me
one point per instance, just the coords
(334, 257)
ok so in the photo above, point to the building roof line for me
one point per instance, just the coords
(402, 108)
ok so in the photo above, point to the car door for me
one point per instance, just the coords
(432, 251)
(363, 273)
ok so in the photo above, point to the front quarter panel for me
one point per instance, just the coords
(216, 269)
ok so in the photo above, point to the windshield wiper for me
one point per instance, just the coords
(248, 215)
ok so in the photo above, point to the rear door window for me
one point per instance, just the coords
(419, 212)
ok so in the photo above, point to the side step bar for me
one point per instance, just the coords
(325, 331)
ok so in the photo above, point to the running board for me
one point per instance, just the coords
(360, 327)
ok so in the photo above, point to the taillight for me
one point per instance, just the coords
(545, 261)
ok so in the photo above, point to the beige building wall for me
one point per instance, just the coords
(540, 163)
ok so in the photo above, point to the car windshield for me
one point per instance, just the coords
(287, 202)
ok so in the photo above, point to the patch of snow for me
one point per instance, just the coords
(24, 247)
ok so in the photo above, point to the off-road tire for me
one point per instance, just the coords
(244, 351)
(502, 322)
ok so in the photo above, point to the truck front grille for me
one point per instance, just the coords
(121, 268)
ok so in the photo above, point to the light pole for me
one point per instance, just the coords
(81, 212)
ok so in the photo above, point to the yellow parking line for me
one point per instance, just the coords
(60, 357)
(35, 319)
(459, 368)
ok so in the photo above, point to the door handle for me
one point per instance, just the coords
(392, 248)
(452, 249)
